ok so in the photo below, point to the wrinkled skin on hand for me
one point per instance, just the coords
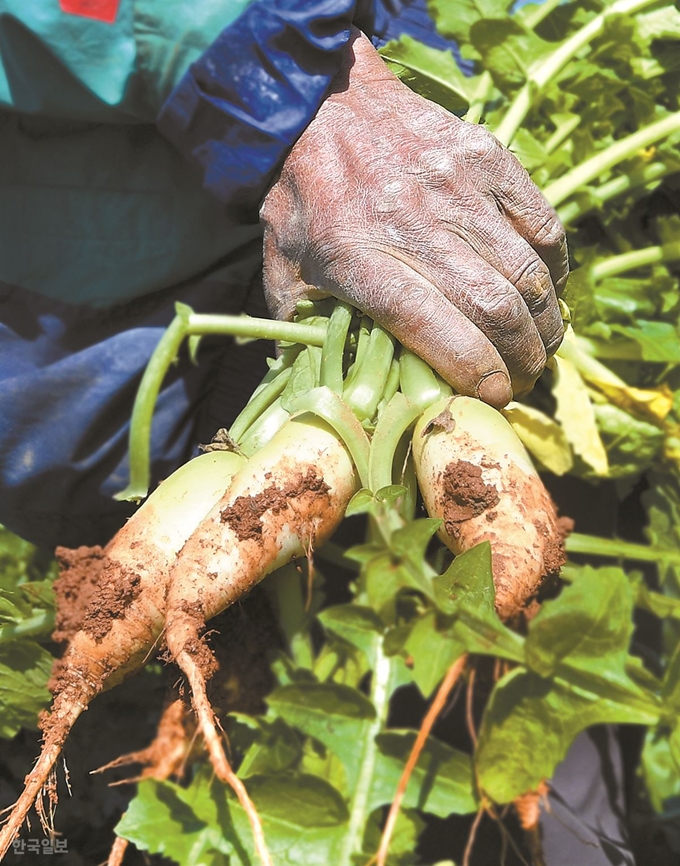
(424, 222)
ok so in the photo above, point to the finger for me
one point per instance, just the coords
(282, 281)
(496, 242)
(488, 300)
(424, 320)
(533, 218)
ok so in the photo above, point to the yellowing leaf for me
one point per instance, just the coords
(576, 415)
(541, 436)
(653, 404)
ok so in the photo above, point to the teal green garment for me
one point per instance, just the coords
(95, 206)
(59, 64)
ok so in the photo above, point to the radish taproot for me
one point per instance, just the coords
(475, 474)
(127, 612)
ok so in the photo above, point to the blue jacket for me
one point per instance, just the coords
(137, 139)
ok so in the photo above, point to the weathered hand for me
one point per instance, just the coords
(424, 222)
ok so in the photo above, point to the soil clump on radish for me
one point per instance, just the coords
(79, 572)
(554, 555)
(244, 516)
(466, 494)
(117, 589)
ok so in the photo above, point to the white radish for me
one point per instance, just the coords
(289, 497)
(475, 474)
(127, 610)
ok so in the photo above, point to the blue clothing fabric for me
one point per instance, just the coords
(68, 378)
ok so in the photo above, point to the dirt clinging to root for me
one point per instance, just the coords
(196, 645)
(465, 494)
(244, 517)
(79, 571)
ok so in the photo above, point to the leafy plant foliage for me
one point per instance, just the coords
(594, 115)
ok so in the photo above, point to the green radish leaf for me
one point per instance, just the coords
(305, 820)
(660, 770)
(658, 341)
(303, 816)
(12, 608)
(275, 746)
(442, 782)
(317, 760)
(432, 650)
(407, 829)
(456, 21)
(25, 668)
(364, 553)
(390, 495)
(509, 50)
(663, 606)
(674, 744)
(384, 576)
(339, 662)
(663, 23)
(469, 579)
(590, 619)
(411, 541)
(429, 72)
(26, 611)
(158, 820)
(577, 649)
(582, 639)
(624, 299)
(356, 624)
(334, 714)
(631, 444)
(40, 593)
(531, 721)
(22, 562)
(670, 691)
(668, 228)
(528, 150)
(662, 503)
(466, 589)
(363, 502)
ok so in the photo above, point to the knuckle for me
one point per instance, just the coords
(505, 311)
(550, 234)
(479, 144)
(436, 167)
(399, 200)
(532, 279)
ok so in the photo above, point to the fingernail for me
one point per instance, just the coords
(495, 389)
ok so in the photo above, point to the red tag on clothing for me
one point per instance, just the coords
(100, 10)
